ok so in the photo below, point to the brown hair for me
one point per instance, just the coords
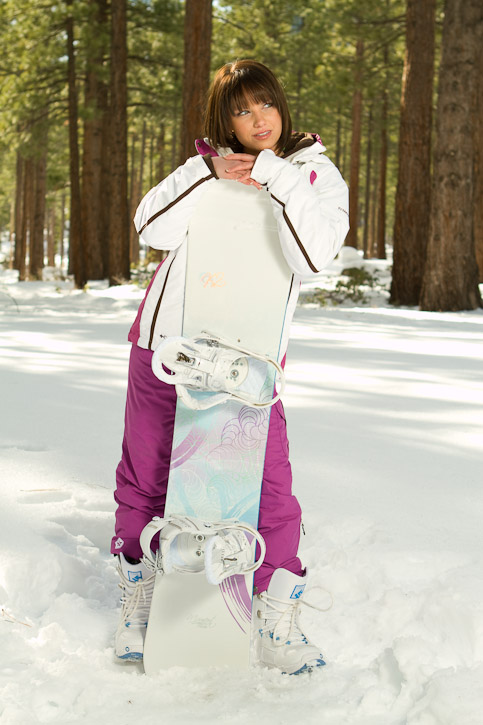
(233, 85)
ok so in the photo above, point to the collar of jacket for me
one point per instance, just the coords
(300, 146)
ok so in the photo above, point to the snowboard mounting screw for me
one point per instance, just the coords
(184, 358)
(199, 537)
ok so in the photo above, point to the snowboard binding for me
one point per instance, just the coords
(211, 364)
(187, 545)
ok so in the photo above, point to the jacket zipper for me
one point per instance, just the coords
(158, 305)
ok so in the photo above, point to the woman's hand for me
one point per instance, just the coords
(236, 167)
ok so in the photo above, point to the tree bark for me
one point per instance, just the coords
(196, 78)
(62, 230)
(451, 274)
(119, 208)
(338, 138)
(351, 239)
(38, 215)
(51, 236)
(478, 205)
(413, 195)
(133, 193)
(19, 209)
(367, 200)
(76, 245)
(371, 246)
(96, 105)
(174, 134)
(381, 207)
(25, 219)
(151, 161)
(136, 197)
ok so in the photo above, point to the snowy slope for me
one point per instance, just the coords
(384, 410)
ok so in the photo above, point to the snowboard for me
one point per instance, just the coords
(237, 287)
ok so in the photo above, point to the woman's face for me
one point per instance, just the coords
(257, 126)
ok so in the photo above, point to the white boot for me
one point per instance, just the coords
(137, 585)
(282, 643)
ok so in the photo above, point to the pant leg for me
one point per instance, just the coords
(142, 474)
(280, 515)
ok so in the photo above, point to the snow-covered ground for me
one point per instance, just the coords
(385, 420)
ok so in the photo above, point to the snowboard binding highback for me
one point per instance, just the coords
(211, 364)
(187, 545)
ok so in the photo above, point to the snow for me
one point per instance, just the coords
(386, 432)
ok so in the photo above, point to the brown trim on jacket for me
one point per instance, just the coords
(209, 162)
(295, 235)
(158, 305)
(297, 142)
(171, 204)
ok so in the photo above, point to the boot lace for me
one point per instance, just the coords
(135, 599)
(282, 622)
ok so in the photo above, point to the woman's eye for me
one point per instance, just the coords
(268, 105)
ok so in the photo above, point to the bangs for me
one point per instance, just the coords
(245, 92)
(234, 87)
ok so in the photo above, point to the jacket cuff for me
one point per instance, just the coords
(263, 167)
(209, 162)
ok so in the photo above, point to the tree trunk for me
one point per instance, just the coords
(381, 207)
(367, 201)
(11, 234)
(25, 219)
(161, 153)
(451, 273)
(38, 215)
(413, 195)
(351, 239)
(196, 78)
(337, 139)
(141, 160)
(371, 251)
(19, 209)
(136, 198)
(51, 236)
(174, 134)
(76, 246)
(119, 209)
(478, 205)
(95, 101)
(62, 230)
(133, 194)
(151, 160)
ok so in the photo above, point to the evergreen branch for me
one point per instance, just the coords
(235, 25)
(154, 61)
(386, 21)
(371, 51)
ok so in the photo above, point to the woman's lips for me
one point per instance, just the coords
(263, 135)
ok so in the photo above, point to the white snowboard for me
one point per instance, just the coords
(237, 287)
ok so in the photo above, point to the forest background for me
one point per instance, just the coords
(100, 100)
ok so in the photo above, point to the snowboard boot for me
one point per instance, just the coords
(282, 644)
(137, 585)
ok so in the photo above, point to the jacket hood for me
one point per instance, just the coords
(300, 141)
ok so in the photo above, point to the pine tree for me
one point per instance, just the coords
(451, 273)
(413, 196)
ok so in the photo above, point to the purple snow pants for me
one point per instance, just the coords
(142, 474)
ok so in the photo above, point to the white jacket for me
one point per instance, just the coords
(310, 202)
